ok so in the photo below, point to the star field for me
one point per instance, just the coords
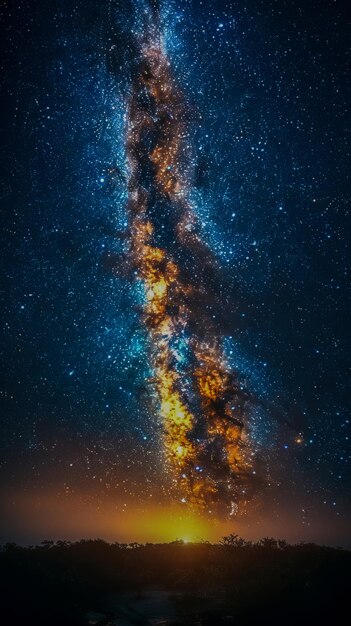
(265, 85)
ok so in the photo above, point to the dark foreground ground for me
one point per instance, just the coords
(92, 582)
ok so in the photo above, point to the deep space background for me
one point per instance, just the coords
(268, 80)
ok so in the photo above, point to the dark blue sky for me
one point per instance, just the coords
(267, 84)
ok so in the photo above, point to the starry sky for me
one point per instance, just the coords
(266, 90)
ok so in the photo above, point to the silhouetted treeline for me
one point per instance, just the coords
(235, 581)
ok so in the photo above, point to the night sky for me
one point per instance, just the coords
(265, 157)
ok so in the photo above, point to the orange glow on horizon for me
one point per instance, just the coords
(32, 517)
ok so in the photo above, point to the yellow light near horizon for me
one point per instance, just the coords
(170, 524)
(74, 517)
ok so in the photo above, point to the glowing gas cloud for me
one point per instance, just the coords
(202, 406)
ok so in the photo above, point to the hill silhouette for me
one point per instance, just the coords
(233, 582)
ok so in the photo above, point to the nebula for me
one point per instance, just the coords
(203, 408)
